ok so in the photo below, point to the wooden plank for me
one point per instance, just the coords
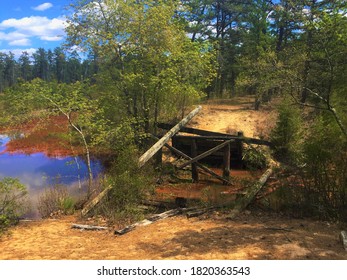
(161, 142)
(243, 202)
(194, 152)
(343, 239)
(95, 201)
(216, 135)
(226, 137)
(193, 130)
(226, 162)
(150, 220)
(204, 168)
(88, 227)
(205, 154)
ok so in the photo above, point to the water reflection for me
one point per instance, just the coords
(38, 171)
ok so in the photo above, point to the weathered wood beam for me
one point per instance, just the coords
(203, 167)
(194, 153)
(193, 130)
(149, 220)
(243, 202)
(226, 162)
(205, 134)
(205, 154)
(88, 227)
(226, 137)
(95, 201)
(152, 151)
(343, 239)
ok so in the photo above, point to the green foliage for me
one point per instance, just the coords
(13, 202)
(318, 187)
(287, 136)
(254, 158)
(55, 201)
(130, 185)
(325, 168)
(150, 69)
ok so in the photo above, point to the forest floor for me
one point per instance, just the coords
(253, 234)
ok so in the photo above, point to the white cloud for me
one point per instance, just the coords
(51, 38)
(20, 42)
(43, 7)
(32, 27)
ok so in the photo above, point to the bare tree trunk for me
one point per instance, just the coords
(86, 148)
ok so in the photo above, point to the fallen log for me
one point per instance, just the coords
(149, 220)
(88, 227)
(250, 194)
(160, 143)
(95, 201)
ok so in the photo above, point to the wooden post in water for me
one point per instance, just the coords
(226, 162)
(194, 152)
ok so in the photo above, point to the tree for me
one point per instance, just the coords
(318, 82)
(145, 57)
(13, 202)
(40, 64)
(73, 102)
(25, 66)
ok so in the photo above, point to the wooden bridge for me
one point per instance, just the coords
(198, 147)
(214, 148)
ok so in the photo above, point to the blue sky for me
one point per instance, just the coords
(27, 25)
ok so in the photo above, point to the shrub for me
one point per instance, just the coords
(56, 201)
(130, 185)
(287, 133)
(318, 187)
(324, 173)
(13, 202)
(254, 158)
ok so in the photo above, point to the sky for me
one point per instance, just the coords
(26, 25)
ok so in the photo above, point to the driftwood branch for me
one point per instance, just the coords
(243, 202)
(161, 142)
(88, 227)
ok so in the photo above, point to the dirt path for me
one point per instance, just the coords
(251, 235)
